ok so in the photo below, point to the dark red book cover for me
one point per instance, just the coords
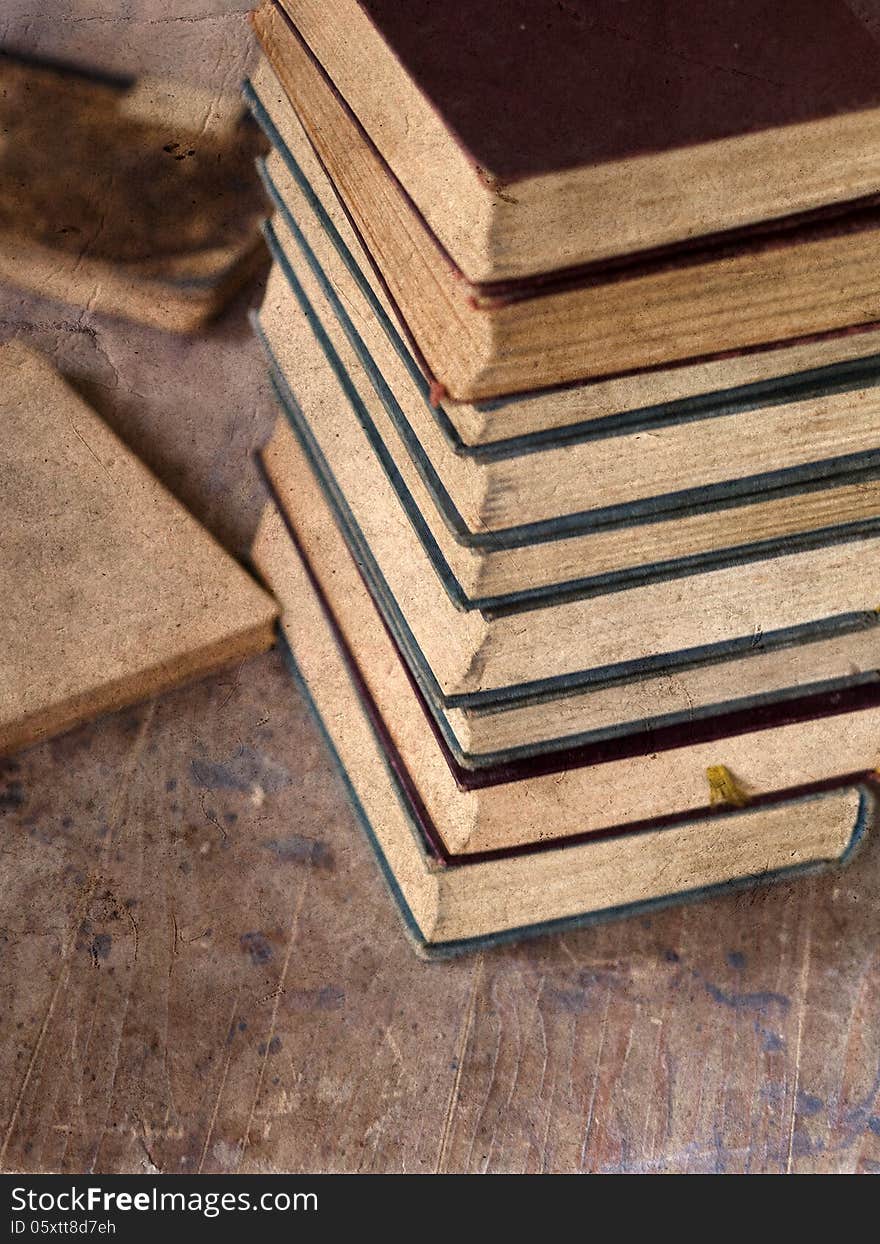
(531, 87)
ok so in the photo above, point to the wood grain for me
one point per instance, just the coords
(202, 969)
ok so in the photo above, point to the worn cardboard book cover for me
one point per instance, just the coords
(526, 422)
(453, 901)
(471, 656)
(534, 135)
(109, 590)
(616, 509)
(137, 198)
(661, 778)
(543, 729)
(612, 318)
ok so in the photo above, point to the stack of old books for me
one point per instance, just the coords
(574, 321)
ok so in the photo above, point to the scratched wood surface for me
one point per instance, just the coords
(201, 968)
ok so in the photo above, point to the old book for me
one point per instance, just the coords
(528, 421)
(545, 725)
(662, 780)
(535, 524)
(476, 655)
(481, 341)
(450, 899)
(137, 198)
(533, 135)
(110, 590)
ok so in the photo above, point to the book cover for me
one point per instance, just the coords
(534, 137)
(455, 900)
(110, 591)
(612, 319)
(550, 725)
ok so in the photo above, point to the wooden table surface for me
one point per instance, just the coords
(202, 969)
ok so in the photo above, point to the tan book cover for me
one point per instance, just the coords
(659, 777)
(485, 341)
(470, 656)
(453, 902)
(513, 729)
(699, 490)
(738, 381)
(109, 589)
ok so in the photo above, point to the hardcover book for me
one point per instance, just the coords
(506, 426)
(453, 901)
(523, 525)
(482, 341)
(470, 656)
(533, 135)
(616, 713)
(109, 590)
